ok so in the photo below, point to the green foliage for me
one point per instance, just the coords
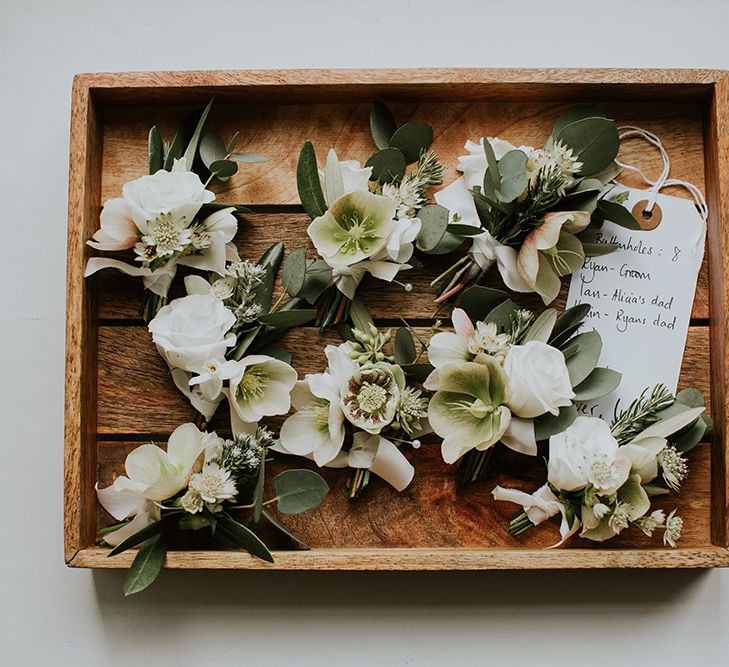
(547, 425)
(155, 151)
(478, 302)
(594, 142)
(598, 383)
(542, 327)
(299, 490)
(308, 183)
(618, 214)
(286, 319)
(145, 533)
(243, 537)
(583, 360)
(434, 223)
(146, 566)
(405, 352)
(191, 149)
(382, 124)
(513, 177)
(388, 165)
(412, 139)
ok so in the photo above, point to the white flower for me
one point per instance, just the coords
(407, 197)
(675, 467)
(192, 502)
(261, 388)
(586, 453)
(317, 426)
(153, 475)
(399, 245)
(178, 193)
(191, 330)
(538, 379)
(211, 375)
(648, 524)
(220, 289)
(213, 484)
(341, 177)
(118, 231)
(370, 397)
(674, 525)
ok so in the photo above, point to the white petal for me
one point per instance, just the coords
(184, 446)
(519, 436)
(118, 501)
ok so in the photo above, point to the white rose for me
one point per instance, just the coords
(180, 193)
(586, 453)
(191, 330)
(538, 380)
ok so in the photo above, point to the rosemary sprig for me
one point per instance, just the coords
(641, 413)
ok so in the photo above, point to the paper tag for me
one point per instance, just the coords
(641, 297)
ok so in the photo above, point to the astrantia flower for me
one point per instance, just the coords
(220, 289)
(356, 227)
(213, 484)
(261, 388)
(371, 396)
(411, 409)
(165, 236)
(649, 524)
(631, 502)
(673, 528)
(674, 466)
(192, 502)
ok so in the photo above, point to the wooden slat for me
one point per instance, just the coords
(80, 412)
(120, 296)
(717, 168)
(136, 395)
(404, 560)
(434, 512)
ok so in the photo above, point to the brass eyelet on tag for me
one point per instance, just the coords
(647, 219)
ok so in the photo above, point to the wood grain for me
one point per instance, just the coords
(434, 512)
(717, 167)
(118, 389)
(120, 296)
(136, 396)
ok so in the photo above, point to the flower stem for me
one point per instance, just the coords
(359, 481)
(151, 305)
(474, 464)
(450, 270)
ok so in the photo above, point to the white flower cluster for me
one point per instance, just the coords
(601, 487)
(157, 217)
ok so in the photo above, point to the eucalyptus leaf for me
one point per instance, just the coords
(447, 244)
(286, 319)
(581, 364)
(191, 149)
(610, 173)
(155, 151)
(299, 490)
(293, 273)
(382, 124)
(248, 157)
(687, 440)
(547, 425)
(434, 223)
(418, 372)
(388, 165)
(597, 384)
(212, 149)
(594, 142)
(692, 398)
(502, 315)
(478, 302)
(147, 565)
(575, 114)
(224, 168)
(618, 214)
(308, 183)
(513, 175)
(541, 328)
(244, 537)
(405, 351)
(412, 139)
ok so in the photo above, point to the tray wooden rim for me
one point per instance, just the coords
(91, 90)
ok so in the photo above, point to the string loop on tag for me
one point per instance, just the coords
(663, 181)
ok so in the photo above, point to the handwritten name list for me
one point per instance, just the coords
(641, 297)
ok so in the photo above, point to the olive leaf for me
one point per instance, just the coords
(541, 328)
(618, 214)
(155, 151)
(287, 319)
(308, 183)
(147, 565)
(243, 537)
(293, 273)
(405, 351)
(191, 149)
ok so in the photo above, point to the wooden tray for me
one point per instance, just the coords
(118, 390)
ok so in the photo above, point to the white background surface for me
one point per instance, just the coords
(50, 615)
